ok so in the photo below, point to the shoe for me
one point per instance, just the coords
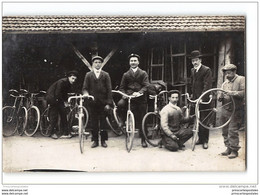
(233, 154)
(205, 145)
(103, 144)
(144, 144)
(198, 142)
(226, 153)
(54, 136)
(160, 144)
(95, 144)
(66, 136)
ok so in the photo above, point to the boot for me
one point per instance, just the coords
(143, 142)
(233, 154)
(95, 144)
(226, 152)
(103, 144)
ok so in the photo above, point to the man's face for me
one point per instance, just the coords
(97, 64)
(230, 74)
(72, 79)
(196, 62)
(134, 62)
(174, 98)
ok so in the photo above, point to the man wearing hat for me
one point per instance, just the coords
(235, 87)
(57, 97)
(134, 82)
(201, 79)
(171, 117)
(98, 84)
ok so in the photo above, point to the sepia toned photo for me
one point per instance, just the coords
(124, 93)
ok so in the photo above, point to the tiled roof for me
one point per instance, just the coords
(113, 24)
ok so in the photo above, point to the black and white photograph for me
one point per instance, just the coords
(113, 93)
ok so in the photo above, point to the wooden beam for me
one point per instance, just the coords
(107, 58)
(84, 60)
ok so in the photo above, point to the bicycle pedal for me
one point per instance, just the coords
(86, 133)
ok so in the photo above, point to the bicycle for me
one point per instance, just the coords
(15, 116)
(79, 115)
(33, 115)
(151, 123)
(113, 121)
(130, 121)
(209, 98)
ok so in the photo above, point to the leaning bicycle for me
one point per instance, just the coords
(130, 121)
(15, 116)
(82, 115)
(151, 123)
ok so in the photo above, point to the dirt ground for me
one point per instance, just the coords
(22, 153)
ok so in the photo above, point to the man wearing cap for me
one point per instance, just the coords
(201, 80)
(135, 82)
(235, 87)
(171, 118)
(57, 97)
(98, 84)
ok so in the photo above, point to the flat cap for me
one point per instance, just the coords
(229, 67)
(97, 57)
(72, 73)
(173, 91)
(134, 55)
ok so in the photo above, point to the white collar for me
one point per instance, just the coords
(174, 106)
(197, 69)
(134, 69)
(96, 71)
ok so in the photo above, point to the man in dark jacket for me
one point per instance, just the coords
(201, 79)
(57, 97)
(135, 82)
(98, 84)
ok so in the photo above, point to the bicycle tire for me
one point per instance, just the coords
(130, 130)
(151, 128)
(81, 135)
(72, 120)
(33, 121)
(214, 110)
(114, 124)
(195, 134)
(9, 121)
(22, 117)
(44, 123)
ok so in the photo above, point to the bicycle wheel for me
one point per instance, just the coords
(73, 119)
(208, 113)
(195, 135)
(9, 121)
(113, 123)
(81, 133)
(44, 123)
(22, 117)
(33, 121)
(151, 128)
(130, 130)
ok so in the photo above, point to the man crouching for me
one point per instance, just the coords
(171, 117)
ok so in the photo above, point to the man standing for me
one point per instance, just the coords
(235, 87)
(135, 82)
(98, 84)
(201, 79)
(57, 97)
(171, 117)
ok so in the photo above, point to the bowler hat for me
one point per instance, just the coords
(72, 73)
(229, 67)
(134, 55)
(97, 57)
(195, 54)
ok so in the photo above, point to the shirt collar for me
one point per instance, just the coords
(173, 106)
(197, 69)
(135, 69)
(96, 71)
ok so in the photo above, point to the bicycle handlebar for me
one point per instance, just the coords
(195, 101)
(128, 96)
(81, 96)
(153, 96)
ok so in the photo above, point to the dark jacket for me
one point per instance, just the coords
(58, 91)
(100, 87)
(135, 82)
(201, 81)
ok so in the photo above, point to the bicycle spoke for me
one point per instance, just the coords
(225, 104)
(207, 116)
(210, 109)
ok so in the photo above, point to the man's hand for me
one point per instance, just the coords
(66, 104)
(231, 93)
(85, 94)
(173, 137)
(136, 94)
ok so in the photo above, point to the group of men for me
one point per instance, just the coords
(135, 82)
